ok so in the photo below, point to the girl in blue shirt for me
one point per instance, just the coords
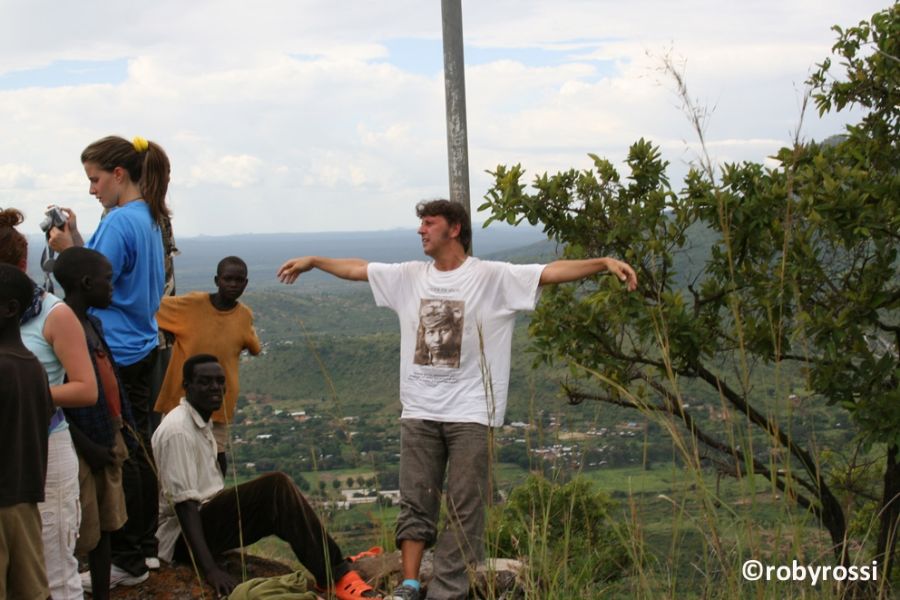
(130, 180)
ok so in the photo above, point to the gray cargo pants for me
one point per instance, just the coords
(429, 450)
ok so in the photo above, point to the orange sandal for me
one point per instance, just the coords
(371, 552)
(352, 587)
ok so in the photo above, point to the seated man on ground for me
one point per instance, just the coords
(199, 518)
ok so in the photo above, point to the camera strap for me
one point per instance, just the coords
(48, 260)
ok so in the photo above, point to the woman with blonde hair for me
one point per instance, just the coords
(130, 180)
(52, 332)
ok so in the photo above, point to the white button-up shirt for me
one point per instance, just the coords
(185, 453)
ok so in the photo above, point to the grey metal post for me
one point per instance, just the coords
(455, 94)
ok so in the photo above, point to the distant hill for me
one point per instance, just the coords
(264, 253)
(543, 251)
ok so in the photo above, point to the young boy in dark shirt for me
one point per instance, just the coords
(25, 410)
(99, 432)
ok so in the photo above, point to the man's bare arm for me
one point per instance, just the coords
(192, 528)
(354, 269)
(564, 271)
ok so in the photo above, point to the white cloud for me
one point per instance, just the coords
(17, 176)
(292, 115)
(232, 171)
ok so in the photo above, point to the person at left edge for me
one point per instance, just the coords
(52, 332)
(25, 410)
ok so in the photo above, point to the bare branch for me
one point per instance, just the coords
(738, 459)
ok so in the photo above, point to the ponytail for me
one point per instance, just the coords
(146, 163)
(154, 182)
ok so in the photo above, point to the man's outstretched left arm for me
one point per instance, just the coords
(564, 271)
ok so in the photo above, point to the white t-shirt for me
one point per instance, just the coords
(455, 334)
(185, 453)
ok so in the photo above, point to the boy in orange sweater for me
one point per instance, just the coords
(215, 324)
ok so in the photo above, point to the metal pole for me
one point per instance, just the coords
(455, 94)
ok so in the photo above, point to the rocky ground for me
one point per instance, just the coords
(174, 582)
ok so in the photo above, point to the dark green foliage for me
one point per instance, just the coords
(388, 479)
(852, 191)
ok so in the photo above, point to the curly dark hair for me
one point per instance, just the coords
(13, 245)
(454, 212)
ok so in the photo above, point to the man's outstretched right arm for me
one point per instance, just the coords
(354, 269)
(192, 528)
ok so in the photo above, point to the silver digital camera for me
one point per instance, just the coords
(54, 217)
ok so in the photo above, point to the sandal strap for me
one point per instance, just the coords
(371, 552)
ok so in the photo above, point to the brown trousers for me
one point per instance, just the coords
(22, 573)
(269, 505)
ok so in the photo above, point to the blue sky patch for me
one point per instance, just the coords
(426, 56)
(67, 72)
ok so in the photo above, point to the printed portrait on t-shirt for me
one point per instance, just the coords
(439, 337)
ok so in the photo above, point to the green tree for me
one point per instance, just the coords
(514, 453)
(799, 267)
(857, 182)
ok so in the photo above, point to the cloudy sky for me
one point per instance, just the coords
(328, 115)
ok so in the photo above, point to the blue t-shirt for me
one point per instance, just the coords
(131, 240)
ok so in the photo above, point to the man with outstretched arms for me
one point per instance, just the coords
(457, 315)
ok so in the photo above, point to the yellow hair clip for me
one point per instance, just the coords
(140, 144)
